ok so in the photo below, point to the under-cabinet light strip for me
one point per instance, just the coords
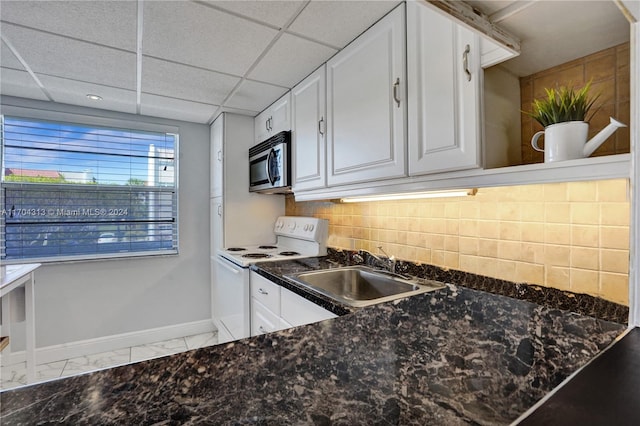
(411, 196)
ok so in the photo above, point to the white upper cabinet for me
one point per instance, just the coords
(309, 124)
(274, 119)
(366, 105)
(444, 80)
(217, 165)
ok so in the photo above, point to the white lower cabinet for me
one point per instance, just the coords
(296, 310)
(276, 308)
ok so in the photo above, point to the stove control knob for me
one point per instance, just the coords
(279, 224)
(311, 227)
(292, 226)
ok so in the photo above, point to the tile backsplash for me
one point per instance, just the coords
(570, 236)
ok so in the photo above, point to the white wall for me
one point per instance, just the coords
(96, 299)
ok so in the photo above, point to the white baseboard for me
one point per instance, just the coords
(110, 343)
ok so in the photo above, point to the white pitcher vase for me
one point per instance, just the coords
(568, 140)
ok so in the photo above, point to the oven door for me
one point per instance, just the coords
(230, 300)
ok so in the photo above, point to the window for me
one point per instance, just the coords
(72, 191)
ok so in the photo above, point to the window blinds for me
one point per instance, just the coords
(78, 191)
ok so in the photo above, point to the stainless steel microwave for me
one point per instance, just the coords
(270, 165)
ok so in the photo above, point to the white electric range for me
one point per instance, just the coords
(296, 237)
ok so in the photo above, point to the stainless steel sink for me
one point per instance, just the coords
(362, 286)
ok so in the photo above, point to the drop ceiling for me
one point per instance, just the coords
(191, 60)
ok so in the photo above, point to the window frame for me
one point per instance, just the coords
(103, 122)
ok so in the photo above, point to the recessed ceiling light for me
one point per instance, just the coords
(94, 97)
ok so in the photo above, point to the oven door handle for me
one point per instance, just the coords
(227, 265)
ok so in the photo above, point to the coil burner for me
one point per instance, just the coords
(256, 255)
(289, 253)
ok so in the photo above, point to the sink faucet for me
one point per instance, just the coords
(389, 263)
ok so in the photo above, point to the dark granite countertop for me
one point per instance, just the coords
(452, 356)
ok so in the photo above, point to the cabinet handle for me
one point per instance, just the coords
(396, 85)
(465, 62)
(261, 291)
(266, 124)
(270, 123)
(262, 330)
(220, 210)
(321, 126)
(220, 155)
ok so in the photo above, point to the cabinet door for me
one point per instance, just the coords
(296, 310)
(263, 320)
(444, 79)
(216, 164)
(308, 102)
(217, 225)
(366, 105)
(281, 114)
(261, 126)
(274, 119)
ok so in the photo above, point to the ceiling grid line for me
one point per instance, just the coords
(258, 59)
(26, 67)
(139, 34)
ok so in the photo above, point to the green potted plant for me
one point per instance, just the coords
(563, 104)
(563, 114)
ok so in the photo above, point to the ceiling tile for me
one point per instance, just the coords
(19, 83)
(280, 67)
(176, 109)
(106, 22)
(255, 96)
(74, 93)
(272, 12)
(339, 22)
(76, 60)
(8, 60)
(184, 82)
(198, 35)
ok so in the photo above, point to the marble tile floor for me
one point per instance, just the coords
(12, 376)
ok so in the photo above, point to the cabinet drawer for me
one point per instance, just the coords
(266, 292)
(262, 319)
